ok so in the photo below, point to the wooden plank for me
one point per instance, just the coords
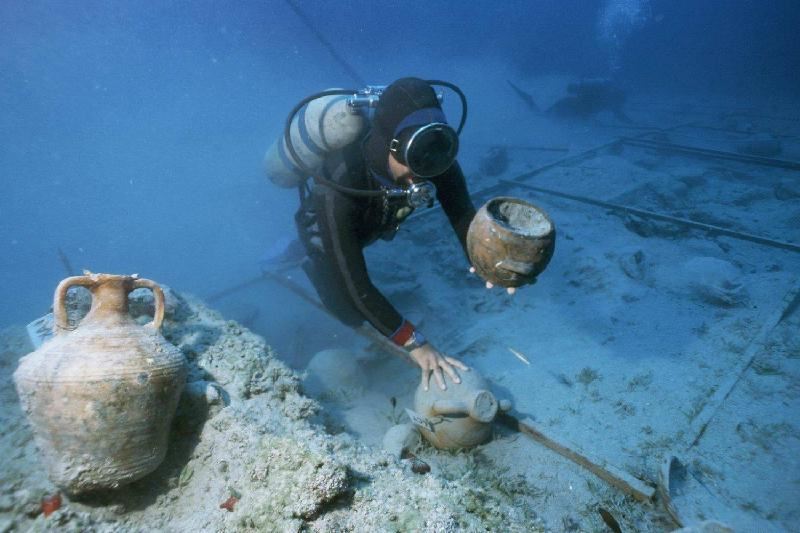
(610, 474)
(736, 132)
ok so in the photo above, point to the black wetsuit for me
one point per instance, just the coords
(335, 227)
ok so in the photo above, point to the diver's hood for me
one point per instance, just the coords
(398, 101)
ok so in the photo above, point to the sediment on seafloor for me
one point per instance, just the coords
(244, 455)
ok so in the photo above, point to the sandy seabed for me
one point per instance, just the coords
(646, 339)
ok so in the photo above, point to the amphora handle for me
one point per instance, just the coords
(481, 405)
(60, 322)
(158, 297)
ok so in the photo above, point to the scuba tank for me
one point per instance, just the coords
(327, 123)
(330, 120)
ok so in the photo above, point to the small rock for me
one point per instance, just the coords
(418, 466)
(647, 228)
(213, 396)
(201, 400)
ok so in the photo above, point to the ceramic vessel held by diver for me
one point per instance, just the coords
(101, 397)
(460, 416)
(510, 241)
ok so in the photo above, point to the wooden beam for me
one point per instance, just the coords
(610, 474)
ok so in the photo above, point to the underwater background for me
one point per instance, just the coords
(133, 137)
(134, 133)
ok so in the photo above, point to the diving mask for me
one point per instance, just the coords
(427, 150)
(425, 143)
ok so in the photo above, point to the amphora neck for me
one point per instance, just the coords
(110, 296)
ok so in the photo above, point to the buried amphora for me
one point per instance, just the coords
(101, 397)
(459, 417)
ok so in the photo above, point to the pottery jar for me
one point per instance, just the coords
(458, 417)
(510, 241)
(101, 396)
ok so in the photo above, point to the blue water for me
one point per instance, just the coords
(133, 136)
(132, 133)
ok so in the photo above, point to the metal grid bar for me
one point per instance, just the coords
(733, 131)
(710, 154)
(755, 347)
(716, 230)
(747, 114)
(569, 160)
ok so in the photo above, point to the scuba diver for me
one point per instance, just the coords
(590, 97)
(375, 156)
(585, 99)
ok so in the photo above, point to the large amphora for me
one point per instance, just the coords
(101, 396)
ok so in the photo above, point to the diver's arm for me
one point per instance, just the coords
(337, 219)
(338, 234)
(452, 193)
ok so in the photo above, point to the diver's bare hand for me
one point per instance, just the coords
(489, 284)
(430, 360)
